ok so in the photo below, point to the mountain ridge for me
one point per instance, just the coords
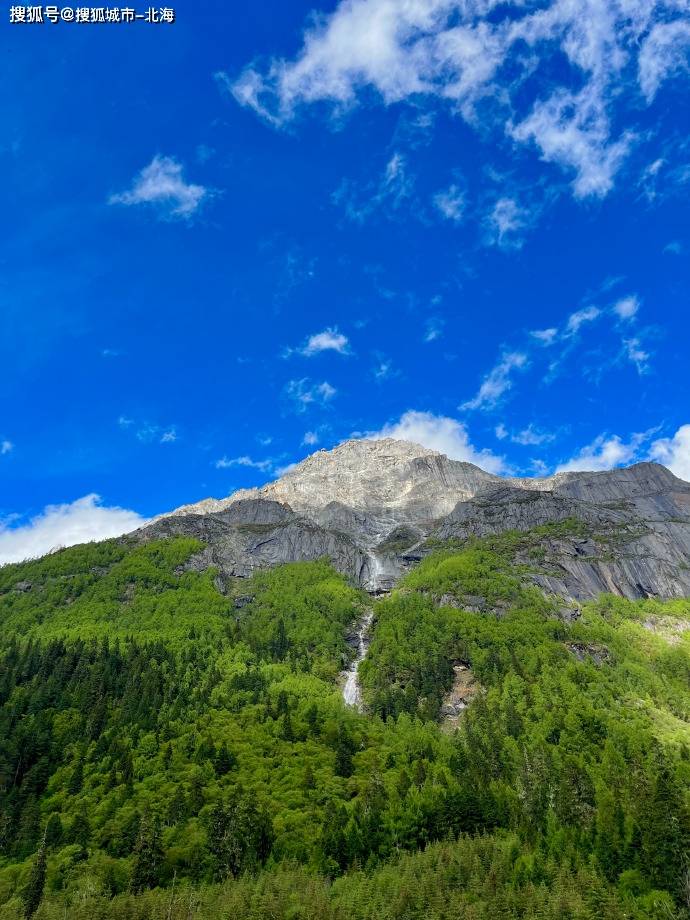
(375, 507)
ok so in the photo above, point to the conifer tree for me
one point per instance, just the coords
(33, 893)
(148, 856)
(225, 761)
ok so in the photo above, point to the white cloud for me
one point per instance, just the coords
(226, 463)
(604, 453)
(384, 370)
(627, 307)
(438, 432)
(392, 190)
(633, 351)
(498, 381)
(545, 336)
(6, 447)
(674, 452)
(434, 328)
(607, 452)
(477, 58)
(580, 317)
(663, 54)
(539, 467)
(450, 202)
(506, 223)
(573, 131)
(147, 432)
(328, 340)
(305, 394)
(532, 437)
(325, 391)
(310, 438)
(161, 184)
(81, 521)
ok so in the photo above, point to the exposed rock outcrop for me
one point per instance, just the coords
(370, 505)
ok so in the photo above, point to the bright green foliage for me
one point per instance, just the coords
(299, 614)
(182, 757)
(113, 593)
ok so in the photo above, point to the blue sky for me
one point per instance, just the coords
(233, 240)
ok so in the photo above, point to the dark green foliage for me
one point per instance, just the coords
(224, 761)
(148, 855)
(33, 893)
(240, 835)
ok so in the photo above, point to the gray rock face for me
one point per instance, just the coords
(370, 505)
(255, 534)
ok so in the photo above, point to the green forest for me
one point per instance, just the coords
(171, 752)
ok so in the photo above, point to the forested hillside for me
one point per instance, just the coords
(168, 751)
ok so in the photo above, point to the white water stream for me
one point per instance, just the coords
(352, 693)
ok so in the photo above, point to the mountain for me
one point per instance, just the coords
(205, 719)
(376, 507)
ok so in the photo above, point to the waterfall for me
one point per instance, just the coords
(352, 693)
(375, 572)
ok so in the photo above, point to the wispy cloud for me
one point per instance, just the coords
(531, 436)
(388, 194)
(310, 439)
(506, 223)
(663, 54)
(148, 432)
(6, 447)
(161, 185)
(626, 308)
(328, 340)
(573, 130)
(635, 353)
(306, 394)
(463, 55)
(450, 203)
(438, 432)
(433, 328)
(545, 337)
(578, 319)
(227, 463)
(81, 521)
(384, 369)
(498, 381)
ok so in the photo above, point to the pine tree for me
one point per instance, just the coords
(281, 643)
(33, 893)
(225, 761)
(308, 782)
(344, 748)
(287, 733)
(77, 778)
(80, 831)
(148, 856)
(53, 834)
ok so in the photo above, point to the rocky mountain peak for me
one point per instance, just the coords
(371, 505)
